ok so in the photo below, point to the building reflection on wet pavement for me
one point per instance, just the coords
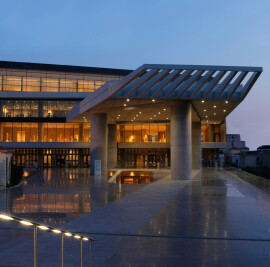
(65, 194)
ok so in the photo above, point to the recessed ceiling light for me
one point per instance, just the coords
(118, 115)
(164, 109)
(224, 110)
(167, 118)
(128, 100)
(125, 105)
(137, 115)
(158, 112)
(202, 101)
(215, 106)
(150, 118)
(226, 102)
(153, 100)
(140, 112)
(214, 113)
(206, 116)
(204, 109)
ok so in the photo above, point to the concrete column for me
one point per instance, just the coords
(39, 132)
(196, 146)
(80, 132)
(40, 109)
(112, 146)
(212, 133)
(98, 141)
(1, 108)
(181, 141)
(1, 132)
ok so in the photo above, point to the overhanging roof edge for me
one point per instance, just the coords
(203, 67)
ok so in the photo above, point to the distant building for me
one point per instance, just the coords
(234, 147)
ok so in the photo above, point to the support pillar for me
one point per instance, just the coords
(196, 146)
(98, 141)
(112, 146)
(181, 141)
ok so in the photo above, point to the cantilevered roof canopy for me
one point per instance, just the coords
(213, 90)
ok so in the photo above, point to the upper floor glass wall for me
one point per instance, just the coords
(35, 108)
(44, 132)
(213, 132)
(51, 81)
(147, 132)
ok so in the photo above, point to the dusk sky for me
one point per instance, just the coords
(127, 34)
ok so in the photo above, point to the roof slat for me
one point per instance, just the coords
(224, 84)
(149, 84)
(174, 84)
(190, 81)
(235, 85)
(212, 84)
(201, 83)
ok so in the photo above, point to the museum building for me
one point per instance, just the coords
(167, 116)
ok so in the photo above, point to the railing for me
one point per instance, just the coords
(63, 233)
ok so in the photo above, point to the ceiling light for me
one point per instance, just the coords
(158, 112)
(68, 234)
(56, 231)
(150, 118)
(85, 238)
(118, 115)
(128, 100)
(206, 116)
(140, 112)
(77, 236)
(164, 109)
(167, 118)
(155, 115)
(125, 105)
(206, 121)
(117, 118)
(214, 113)
(226, 102)
(131, 120)
(137, 115)
(204, 109)
(215, 106)
(202, 101)
(153, 100)
(224, 110)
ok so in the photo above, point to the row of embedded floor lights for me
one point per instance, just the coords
(54, 230)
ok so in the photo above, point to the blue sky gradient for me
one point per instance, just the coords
(126, 34)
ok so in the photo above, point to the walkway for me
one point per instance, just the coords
(213, 220)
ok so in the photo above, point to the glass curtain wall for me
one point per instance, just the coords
(51, 81)
(213, 132)
(35, 108)
(147, 132)
(51, 132)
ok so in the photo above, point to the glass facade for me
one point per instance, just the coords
(143, 158)
(35, 108)
(53, 157)
(147, 132)
(44, 132)
(213, 132)
(16, 80)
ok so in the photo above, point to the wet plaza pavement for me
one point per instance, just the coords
(215, 219)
